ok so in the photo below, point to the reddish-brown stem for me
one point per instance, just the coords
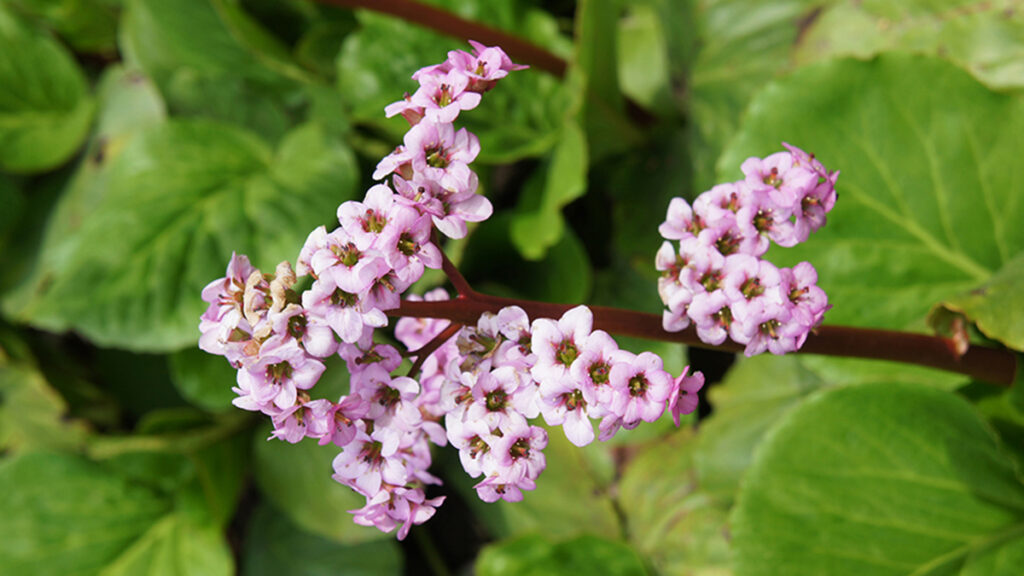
(427, 349)
(980, 363)
(453, 25)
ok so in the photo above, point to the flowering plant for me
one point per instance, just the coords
(586, 317)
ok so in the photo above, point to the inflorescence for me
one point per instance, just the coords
(717, 280)
(479, 387)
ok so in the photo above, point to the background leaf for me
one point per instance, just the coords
(877, 479)
(45, 106)
(536, 555)
(671, 519)
(96, 518)
(276, 546)
(178, 201)
(928, 190)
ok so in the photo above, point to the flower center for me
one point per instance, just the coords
(638, 385)
(566, 352)
(599, 372)
(496, 400)
(436, 157)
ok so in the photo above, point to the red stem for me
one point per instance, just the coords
(458, 27)
(986, 364)
(427, 349)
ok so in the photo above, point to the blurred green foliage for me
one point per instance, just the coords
(144, 141)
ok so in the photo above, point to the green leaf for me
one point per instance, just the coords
(537, 228)
(180, 198)
(204, 379)
(227, 98)
(643, 57)
(754, 395)
(519, 118)
(564, 276)
(745, 44)
(128, 103)
(985, 38)
(45, 107)
(878, 479)
(996, 305)
(928, 204)
(537, 555)
(275, 546)
(296, 478)
(64, 515)
(671, 520)
(86, 25)
(33, 415)
(757, 392)
(208, 36)
(176, 545)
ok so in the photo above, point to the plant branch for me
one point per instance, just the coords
(453, 25)
(980, 363)
(427, 349)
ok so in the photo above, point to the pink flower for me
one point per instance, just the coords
(558, 344)
(641, 386)
(682, 397)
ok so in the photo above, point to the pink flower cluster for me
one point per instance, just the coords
(503, 372)
(483, 386)
(716, 278)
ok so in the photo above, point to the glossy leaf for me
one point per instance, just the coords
(128, 103)
(987, 39)
(678, 526)
(178, 201)
(209, 37)
(879, 479)
(45, 106)
(96, 518)
(928, 192)
(276, 546)
(536, 555)
(539, 225)
(747, 43)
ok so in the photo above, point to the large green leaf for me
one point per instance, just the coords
(45, 107)
(128, 104)
(929, 191)
(277, 547)
(66, 516)
(536, 555)
(671, 520)
(746, 43)
(207, 36)
(180, 199)
(880, 479)
(987, 38)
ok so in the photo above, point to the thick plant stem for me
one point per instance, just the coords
(453, 25)
(987, 364)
